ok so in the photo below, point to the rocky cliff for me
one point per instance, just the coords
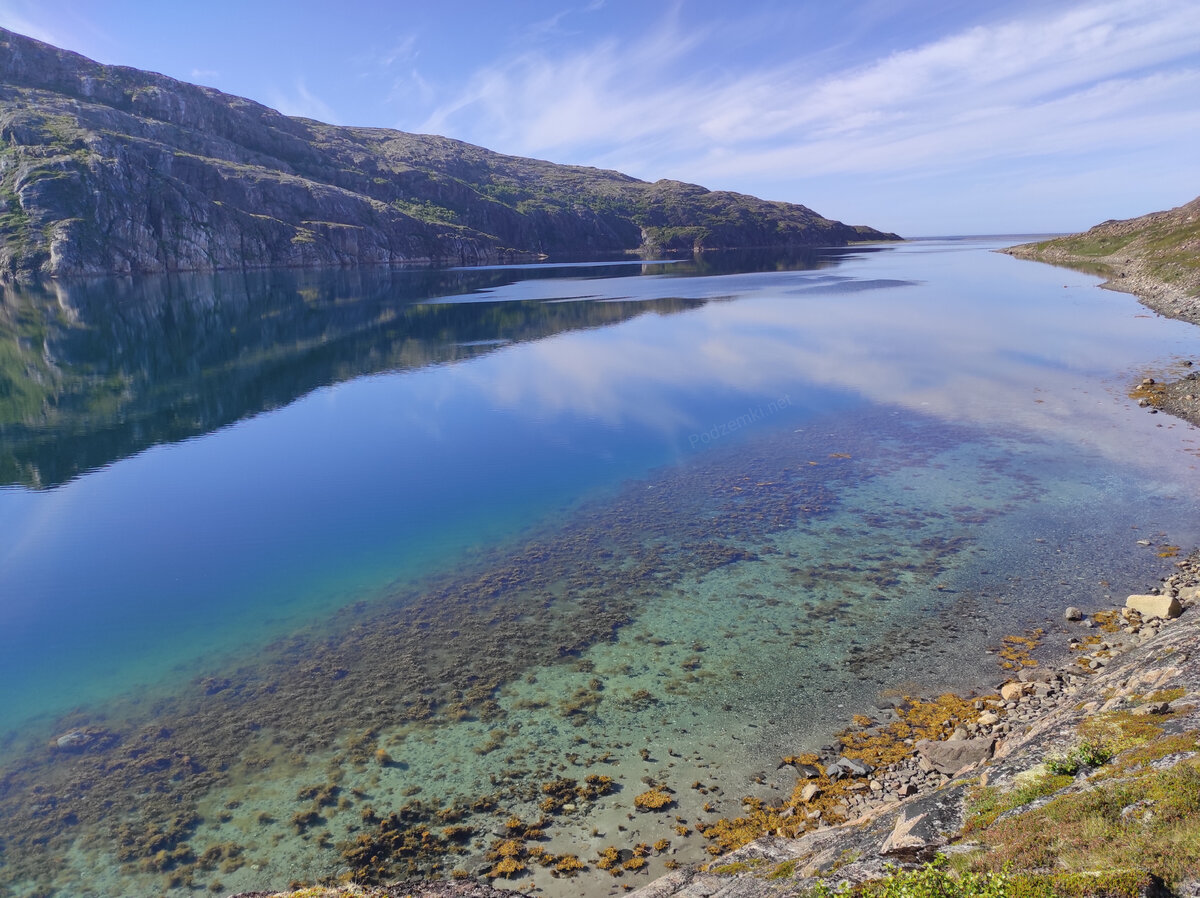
(111, 170)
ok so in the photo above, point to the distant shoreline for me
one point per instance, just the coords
(1124, 274)
(1156, 258)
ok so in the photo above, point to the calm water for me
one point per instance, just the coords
(344, 545)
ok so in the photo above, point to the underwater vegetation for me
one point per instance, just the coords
(335, 710)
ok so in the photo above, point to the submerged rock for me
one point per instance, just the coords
(79, 741)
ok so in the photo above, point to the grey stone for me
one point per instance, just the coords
(950, 757)
(847, 767)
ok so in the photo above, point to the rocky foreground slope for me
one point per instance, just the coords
(1077, 780)
(106, 169)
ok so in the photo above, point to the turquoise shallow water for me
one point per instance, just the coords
(659, 523)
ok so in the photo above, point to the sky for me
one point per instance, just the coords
(922, 117)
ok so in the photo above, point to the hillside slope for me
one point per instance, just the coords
(1155, 256)
(106, 169)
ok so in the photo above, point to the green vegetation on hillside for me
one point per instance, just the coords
(1163, 248)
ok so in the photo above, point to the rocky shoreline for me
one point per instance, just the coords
(1122, 662)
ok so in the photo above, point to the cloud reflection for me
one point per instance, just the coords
(984, 340)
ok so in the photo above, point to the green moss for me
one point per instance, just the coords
(786, 870)
(939, 879)
(1120, 730)
(732, 869)
(1150, 815)
(988, 803)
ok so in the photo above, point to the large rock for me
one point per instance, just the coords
(1155, 606)
(1010, 692)
(952, 756)
(913, 836)
(810, 791)
(847, 767)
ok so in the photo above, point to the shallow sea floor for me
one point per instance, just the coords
(674, 620)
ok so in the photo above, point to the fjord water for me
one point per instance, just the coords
(434, 539)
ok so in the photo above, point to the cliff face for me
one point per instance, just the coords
(107, 169)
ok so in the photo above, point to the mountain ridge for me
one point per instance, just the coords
(112, 170)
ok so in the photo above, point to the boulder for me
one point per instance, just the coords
(809, 792)
(84, 740)
(951, 757)
(1072, 613)
(1010, 692)
(847, 767)
(1155, 606)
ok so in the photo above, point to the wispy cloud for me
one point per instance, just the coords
(1054, 81)
(12, 18)
(538, 104)
(302, 102)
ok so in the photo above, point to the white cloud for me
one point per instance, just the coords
(1096, 75)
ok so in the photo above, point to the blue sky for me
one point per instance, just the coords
(923, 117)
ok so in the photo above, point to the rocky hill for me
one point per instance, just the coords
(1155, 256)
(106, 169)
